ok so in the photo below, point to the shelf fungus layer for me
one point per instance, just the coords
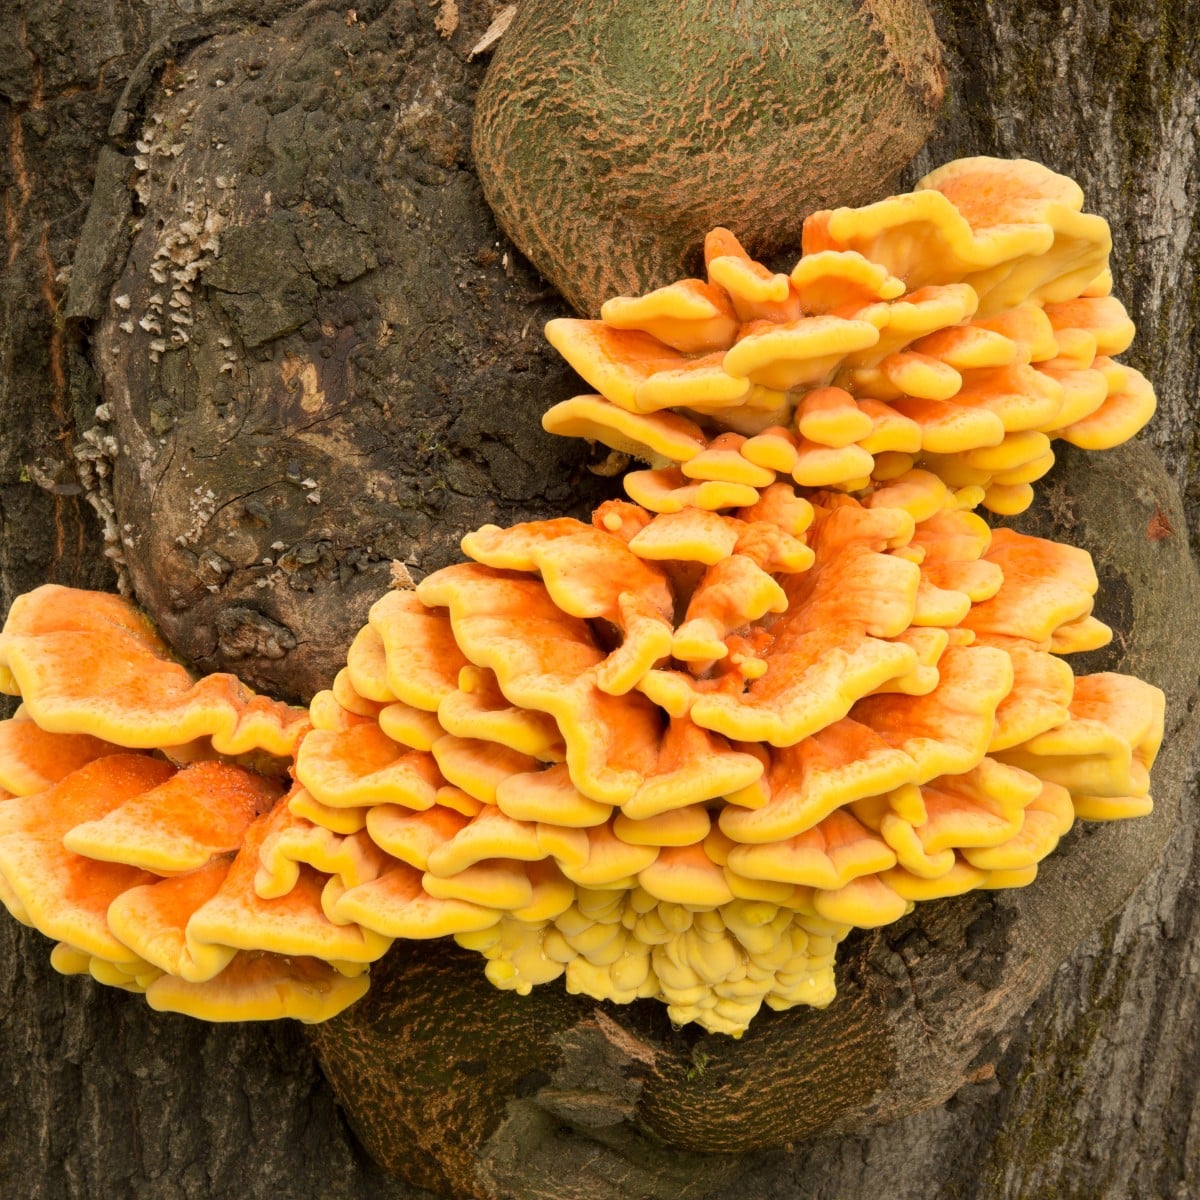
(961, 328)
(674, 754)
(136, 802)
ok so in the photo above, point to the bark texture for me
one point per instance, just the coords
(315, 355)
(1089, 1093)
(610, 138)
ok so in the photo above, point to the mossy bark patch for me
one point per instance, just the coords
(470, 1091)
(610, 137)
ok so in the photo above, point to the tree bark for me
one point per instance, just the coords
(1093, 1094)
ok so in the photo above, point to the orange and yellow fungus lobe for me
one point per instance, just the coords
(790, 686)
(944, 320)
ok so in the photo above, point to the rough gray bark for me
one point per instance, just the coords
(1094, 1095)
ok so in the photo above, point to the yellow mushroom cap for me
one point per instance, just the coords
(997, 196)
(693, 535)
(1130, 403)
(691, 316)
(834, 767)
(668, 491)
(261, 987)
(865, 903)
(423, 642)
(833, 852)
(722, 461)
(1055, 585)
(291, 924)
(346, 859)
(412, 837)
(755, 292)
(362, 766)
(677, 827)
(366, 666)
(797, 354)
(610, 860)
(686, 875)
(479, 710)
(409, 726)
(1047, 817)
(1103, 317)
(303, 803)
(550, 796)
(492, 834)
(1106, 745)
(830, 417)
(843, 283)
(395, 905)
(657, 437)
(494, 884)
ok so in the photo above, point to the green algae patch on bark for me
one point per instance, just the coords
(610, 137)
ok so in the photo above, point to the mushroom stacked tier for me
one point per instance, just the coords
(681, 755)
(792, 688)
(671, 755)
(134, 804)
(961, 328)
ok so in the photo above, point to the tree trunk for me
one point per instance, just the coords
(1091, 1095)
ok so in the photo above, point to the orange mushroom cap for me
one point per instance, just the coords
(90, 664)
(33, 759)
(973, 308)
(61, 893)
(202, 811)
(261, 987)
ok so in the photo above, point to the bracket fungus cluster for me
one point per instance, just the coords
(791, 687)
(135, 799)
(963, 327)
(682, 754)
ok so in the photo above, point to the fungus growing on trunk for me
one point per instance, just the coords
(794, 686)
(139, 798)
(665, 755)
(960, 327)
(742, 762)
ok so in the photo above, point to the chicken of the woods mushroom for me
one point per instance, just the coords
(792, 686)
